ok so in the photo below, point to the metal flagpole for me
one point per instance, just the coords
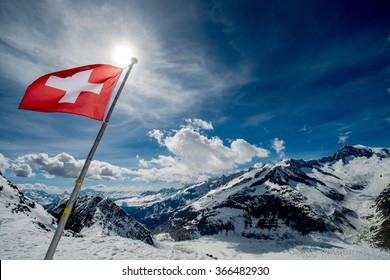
(79, 181)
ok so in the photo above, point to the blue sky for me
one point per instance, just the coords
(220, 85)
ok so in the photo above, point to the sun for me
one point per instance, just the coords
(122, 55)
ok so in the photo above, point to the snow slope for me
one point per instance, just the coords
(346, 192)
(232, 247)
(334, 196)
(94, 215)
(26, 231)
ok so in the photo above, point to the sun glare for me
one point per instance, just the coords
(122, 55)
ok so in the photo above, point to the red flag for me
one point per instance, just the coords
(83, 91)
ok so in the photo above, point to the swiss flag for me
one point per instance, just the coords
(83, 91)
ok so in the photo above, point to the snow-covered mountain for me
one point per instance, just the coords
(26, 230)
(334, 196)
(318, 209)
(154, 209)
(381, 229)
(18, 209)
(94, 215)
(50, 199)
(44, 198)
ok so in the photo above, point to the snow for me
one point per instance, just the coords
(221, 194)
(372, 173)
(18, 243)
(231, 247)
(22, 237)
(143, 200)
(20, 240)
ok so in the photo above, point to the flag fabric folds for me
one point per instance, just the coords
(83, 91)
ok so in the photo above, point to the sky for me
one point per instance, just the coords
(220, 85)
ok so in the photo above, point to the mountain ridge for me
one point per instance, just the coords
(342, 196)
(97, 215)
(330, 196)
(90, 215)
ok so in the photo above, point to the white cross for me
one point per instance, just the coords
(74, 85)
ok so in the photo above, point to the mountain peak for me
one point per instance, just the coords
(348, 152)
(279, 201)
(16, 207)
(102, 216)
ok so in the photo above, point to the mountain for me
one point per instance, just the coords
(337, 196)
(20, 211)
(153, 209)
(94, 215)
(26, 230)
(343, 197)
(50, 199)
(44, 198)
(381, 230)
(91, 215)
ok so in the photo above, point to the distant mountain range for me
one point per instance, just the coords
(344, 196)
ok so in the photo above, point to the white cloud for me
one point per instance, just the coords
(43, 187)
(194, 156)
(166, 83)
(157, 134)
(65, 165)
(115, 189)
(17, 169)
(388, 120)
(21, 170)
(258, 119)
(244, 152)
(343, 138)
(279, 147)
(4, 163)
(198, 124)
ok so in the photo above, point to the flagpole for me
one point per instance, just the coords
(79, 181)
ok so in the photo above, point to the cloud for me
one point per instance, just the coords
(43, 187)
(194, 156)
(17, 169)
(65, 165)
(168, 82)
(117, 191)
(305, 129)
(4, 164)
(387, 120)
(113, 191)
(279, 147)
(198, 124)
(21, 170)
(194, 124)
(157, 134)
(343, 138)
(258, 119)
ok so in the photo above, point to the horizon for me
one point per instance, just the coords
(135, 190)
(219, 87)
